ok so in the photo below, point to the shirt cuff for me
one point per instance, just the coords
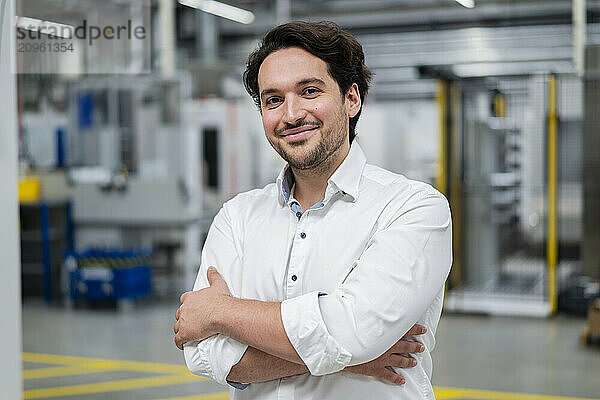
(236, 385)
(307, 332)
(214, 357)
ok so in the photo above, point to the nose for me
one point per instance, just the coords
(293, 110)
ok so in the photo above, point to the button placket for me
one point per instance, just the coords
(285, 391)
(293, 286)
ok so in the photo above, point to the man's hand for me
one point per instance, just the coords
(199, 310)
(195, 317)
(394, 357)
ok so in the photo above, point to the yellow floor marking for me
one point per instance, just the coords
(446, 393)
(53, 372)
(107, 364)
(140, 366)
(113, 386)
(74, 365)
(51, 359)
(457, 393)
(210, 396)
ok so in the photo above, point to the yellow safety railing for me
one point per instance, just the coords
(552, 240)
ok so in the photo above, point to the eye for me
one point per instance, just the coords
(271, 101)
(311, 91)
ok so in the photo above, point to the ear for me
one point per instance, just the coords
(353, 101)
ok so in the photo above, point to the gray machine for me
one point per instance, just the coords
(504, 224)
(137, 176)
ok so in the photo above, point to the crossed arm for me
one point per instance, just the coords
(258, 366)
(270, 354)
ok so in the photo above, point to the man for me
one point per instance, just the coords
(313, 279)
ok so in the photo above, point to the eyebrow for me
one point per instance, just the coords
(307, 81)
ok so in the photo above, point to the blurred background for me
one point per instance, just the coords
(126, 125)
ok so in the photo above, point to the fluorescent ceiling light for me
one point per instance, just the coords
(466, 3)
(45, 27)
(221, 9)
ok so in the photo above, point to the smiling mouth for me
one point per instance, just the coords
(298, 131)
(298, 135)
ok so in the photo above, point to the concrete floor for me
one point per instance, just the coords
(534, 356)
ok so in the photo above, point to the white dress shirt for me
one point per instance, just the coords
(354, 273)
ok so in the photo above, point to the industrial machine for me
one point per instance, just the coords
(516, 193)
(151, 166)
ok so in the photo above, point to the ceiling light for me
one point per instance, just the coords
(221, 9)
(466, 3)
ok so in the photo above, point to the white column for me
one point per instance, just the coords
(166, 37)
(579, 35)
(192, 170)
(10, 265)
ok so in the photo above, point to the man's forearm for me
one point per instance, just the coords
(258, 366)
(257, 324)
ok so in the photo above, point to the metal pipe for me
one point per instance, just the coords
(441, 183)
(207, 37)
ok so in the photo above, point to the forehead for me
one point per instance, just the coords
(287, 66)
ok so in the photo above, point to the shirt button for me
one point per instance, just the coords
(298, 214)
(303, 235)
(294, 277)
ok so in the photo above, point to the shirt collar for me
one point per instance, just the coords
(346, 177)
(285, 181)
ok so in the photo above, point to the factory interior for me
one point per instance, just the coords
(116, 155)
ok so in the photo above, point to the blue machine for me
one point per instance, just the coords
(109, 274)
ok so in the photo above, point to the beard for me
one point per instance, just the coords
(301, 156)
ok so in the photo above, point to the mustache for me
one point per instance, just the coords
(288, 126)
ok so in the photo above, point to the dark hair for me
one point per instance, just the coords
(339, 49)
